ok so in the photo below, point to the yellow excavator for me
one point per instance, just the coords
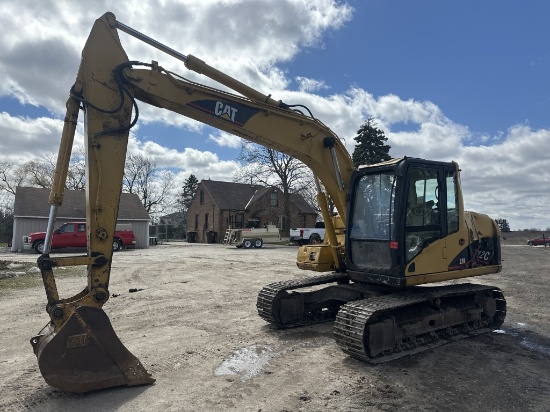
(399, 225)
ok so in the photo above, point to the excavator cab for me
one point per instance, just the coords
(406, 226)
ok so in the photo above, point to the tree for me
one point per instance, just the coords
(6, 224)
(371, 147)
(503, 225)
(189, 188)
(269, 167)
(39, 172)
(11, 176)
(144, 178)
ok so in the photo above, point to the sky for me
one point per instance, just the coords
(466, 81)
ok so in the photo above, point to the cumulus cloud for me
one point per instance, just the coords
(310, 85)
(226, 139)
(23, 138)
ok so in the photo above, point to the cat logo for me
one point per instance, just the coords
(225, 111)
(237, 114)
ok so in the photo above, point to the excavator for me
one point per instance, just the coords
(395, 228)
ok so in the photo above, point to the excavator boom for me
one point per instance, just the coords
(79, 350)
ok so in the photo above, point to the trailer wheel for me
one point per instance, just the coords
(247, 243)
(258, 243)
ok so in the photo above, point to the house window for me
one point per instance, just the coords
(274, 199)
(196, 222)
(205, 221)
(202, 196)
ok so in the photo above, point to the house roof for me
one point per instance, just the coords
(238, 196)
(33, 202)
(230, 195)
(301, 203)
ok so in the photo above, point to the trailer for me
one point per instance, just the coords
(248, 238)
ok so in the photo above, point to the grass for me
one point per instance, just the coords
(31, 279)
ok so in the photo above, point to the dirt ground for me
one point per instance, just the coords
(195, 327)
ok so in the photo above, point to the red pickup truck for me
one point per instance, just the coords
(73, 234)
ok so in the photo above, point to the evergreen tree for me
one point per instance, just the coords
(190, 186)
(503, 225)
(371, 147)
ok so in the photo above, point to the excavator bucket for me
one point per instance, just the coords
(86, 354)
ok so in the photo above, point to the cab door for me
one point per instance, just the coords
(425, 220)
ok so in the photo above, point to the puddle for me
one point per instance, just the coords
(248, 361)
(251, 360)
(525, 342)
(535, 347)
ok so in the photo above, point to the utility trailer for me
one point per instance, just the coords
(248, 238)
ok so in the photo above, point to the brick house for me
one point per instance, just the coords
(220, 205)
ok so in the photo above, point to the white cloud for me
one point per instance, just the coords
(310, 85)
(226, 139)
(23, 138)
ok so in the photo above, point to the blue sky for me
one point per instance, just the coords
(484, 63)
(465, 81)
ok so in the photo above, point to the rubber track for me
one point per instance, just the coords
(352, 319)
(272, 293)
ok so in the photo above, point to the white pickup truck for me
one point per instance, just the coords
(308, 235)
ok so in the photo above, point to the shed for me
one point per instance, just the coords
(31, 211)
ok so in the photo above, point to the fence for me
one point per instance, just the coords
(164, 233)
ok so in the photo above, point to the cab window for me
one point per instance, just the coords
(423, 224)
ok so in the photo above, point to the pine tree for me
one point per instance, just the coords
(190, 186)
(371, 147)
(503, 225)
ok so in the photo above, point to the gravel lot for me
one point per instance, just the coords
(195, 327)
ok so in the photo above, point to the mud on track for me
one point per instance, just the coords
(194, 326)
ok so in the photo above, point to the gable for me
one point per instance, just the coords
(33, 202)
(229, 195)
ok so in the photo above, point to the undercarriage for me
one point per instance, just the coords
(377, 323)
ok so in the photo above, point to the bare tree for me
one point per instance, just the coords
(11, 176)
(144, 178)
(269, 167)
(76, 175)
(39, 172)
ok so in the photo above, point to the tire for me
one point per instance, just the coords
(315, 239)
(117, 245)
(258, 243)
(38, 246)
(547, 244)
(247, 243)
(530, 243)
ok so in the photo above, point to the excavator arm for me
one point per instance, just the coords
(78, 350)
